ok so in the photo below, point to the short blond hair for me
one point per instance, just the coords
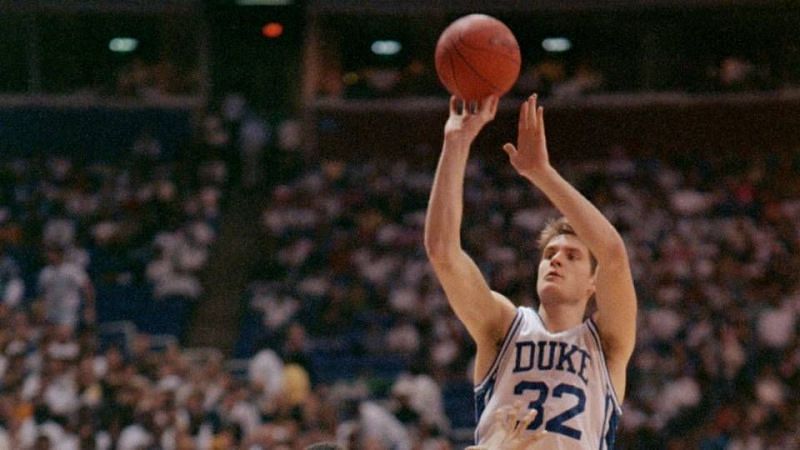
(558, 227)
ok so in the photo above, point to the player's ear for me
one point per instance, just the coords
(590, 290)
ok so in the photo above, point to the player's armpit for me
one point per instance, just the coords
(485, 314)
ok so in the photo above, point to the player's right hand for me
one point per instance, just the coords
(465, 122)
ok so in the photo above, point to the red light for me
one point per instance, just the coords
(272, 30)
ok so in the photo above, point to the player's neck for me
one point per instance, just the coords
(558, 318)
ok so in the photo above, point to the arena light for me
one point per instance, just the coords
(272, 30)
(556, 44)
(123, 44)
(386, 47)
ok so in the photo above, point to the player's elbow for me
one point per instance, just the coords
(614, 252)
(441, 250)
(438, 251)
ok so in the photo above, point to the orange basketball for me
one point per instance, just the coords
(477, 55)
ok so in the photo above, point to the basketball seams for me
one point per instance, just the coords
(467, 63)
(507, 56)
(475, 58)
(453, 72)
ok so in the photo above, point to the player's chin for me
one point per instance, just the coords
(548, 289)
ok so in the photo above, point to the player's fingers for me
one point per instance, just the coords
(528, 419)
(509, 149)
(523, 115)
(484, 103)
(532, 110)
(454, 104)
(540, 119)
(491, 105)
(510, 419)
(500, 418)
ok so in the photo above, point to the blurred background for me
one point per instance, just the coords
(211, 217)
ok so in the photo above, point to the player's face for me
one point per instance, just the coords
(565, 270)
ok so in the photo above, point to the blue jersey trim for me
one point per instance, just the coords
(482, 396)
(611, 433)
(485, 389)
(596, 335)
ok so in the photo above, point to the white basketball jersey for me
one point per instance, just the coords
(563, 376)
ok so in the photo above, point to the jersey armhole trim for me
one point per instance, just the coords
(509, 337)
(606, 374)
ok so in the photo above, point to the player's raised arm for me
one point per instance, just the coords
(485, 314)
(614, 291)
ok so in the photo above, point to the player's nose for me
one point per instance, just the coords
(555, 261)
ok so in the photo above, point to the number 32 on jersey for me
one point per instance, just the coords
(556, 424)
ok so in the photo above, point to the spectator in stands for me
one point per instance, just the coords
(265, 372)
(254, 135)
(277, 310)
(419, 395)
(373, 425)
(66, 291)
(296, 348)
(12, 288)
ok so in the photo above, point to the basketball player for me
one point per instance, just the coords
(568, 368)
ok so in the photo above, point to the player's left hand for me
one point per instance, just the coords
(530, 156)
(509, 432)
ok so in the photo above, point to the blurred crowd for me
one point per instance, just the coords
(83, 243)
(68, 389)
(75, 224)
(713, 244)
(348, 337)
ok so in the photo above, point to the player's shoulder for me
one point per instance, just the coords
(529, 319)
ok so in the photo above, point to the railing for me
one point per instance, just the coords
(674, 123)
